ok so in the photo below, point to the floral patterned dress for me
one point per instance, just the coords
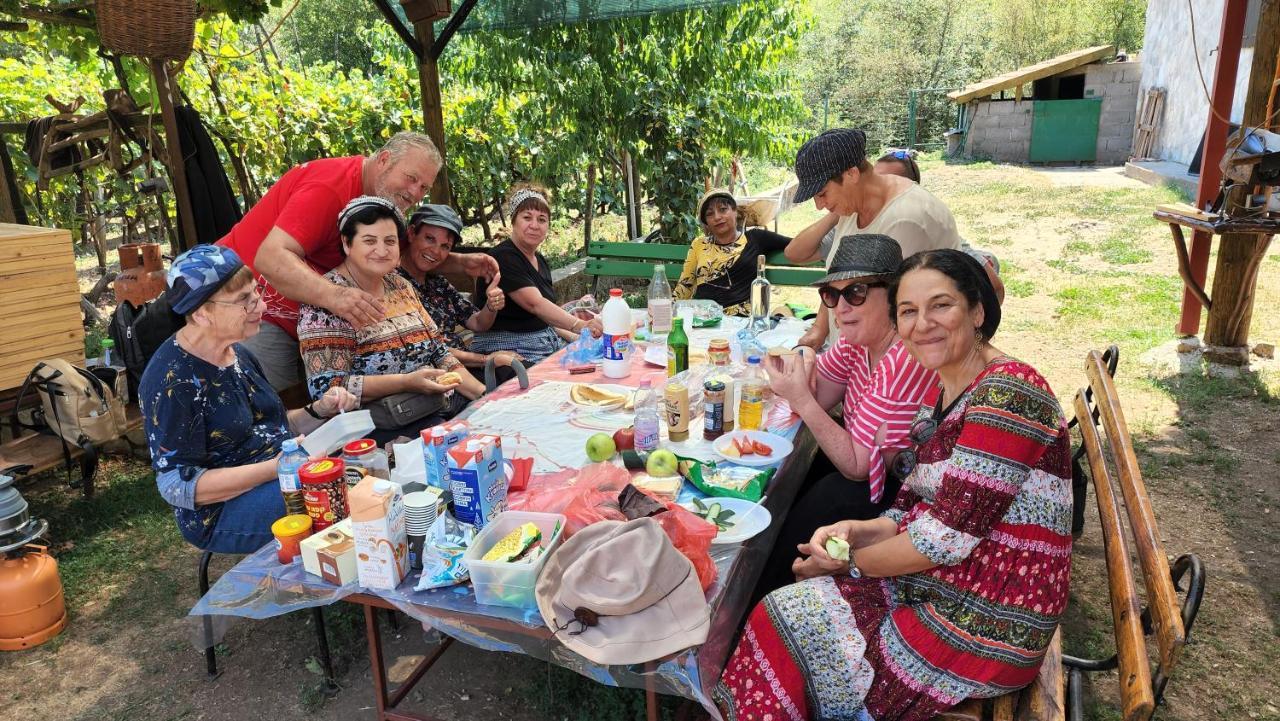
(990, 503)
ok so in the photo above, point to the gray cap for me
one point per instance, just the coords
(441, 216)
(826, 156)
(863, 255)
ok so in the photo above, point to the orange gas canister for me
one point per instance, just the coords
(324, 491)
(32, 610)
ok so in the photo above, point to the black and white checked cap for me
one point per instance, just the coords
(826, 156)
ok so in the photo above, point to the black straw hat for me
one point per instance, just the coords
(863, 255)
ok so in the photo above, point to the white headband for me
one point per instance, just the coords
(522, 195)
(369, 201)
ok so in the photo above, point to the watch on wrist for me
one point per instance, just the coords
(311, 411)
(854, 571)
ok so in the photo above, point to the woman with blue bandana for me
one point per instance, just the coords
(214, 425)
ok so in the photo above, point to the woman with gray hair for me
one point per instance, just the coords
(531, 323)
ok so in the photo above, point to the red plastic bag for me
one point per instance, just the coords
(590, 496)
(692, 536)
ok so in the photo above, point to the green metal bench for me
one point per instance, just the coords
(636, 260)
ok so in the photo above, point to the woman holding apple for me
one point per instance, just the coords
(956, 591)
(878, 385)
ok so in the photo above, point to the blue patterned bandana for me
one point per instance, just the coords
(199, 273)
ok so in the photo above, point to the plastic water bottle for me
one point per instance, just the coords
(108, 353)
(616, 317)
(751, 409)
(760, 288)
(660, 308)
(647, 419)
(287, 467)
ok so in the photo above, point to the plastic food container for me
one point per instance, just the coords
(510, 584)
(336, 431)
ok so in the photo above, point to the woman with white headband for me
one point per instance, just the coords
(532, 323)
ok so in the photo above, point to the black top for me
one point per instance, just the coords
(518, 272)
(724, 273)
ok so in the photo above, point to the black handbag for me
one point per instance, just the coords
(400, 409)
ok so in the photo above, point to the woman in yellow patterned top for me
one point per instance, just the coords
(721, 266)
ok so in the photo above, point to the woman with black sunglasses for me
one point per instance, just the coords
(876, 384)
(956, 591)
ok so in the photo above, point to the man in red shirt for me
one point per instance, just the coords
(290, 240)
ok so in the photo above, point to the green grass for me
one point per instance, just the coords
(566, 696)
(1134, 313)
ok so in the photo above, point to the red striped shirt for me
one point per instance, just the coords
(887, 396)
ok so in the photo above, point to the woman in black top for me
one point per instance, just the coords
(531, 323)
(721, 266)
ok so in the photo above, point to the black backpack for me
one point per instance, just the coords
(139, 332)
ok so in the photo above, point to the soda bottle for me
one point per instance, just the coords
(616, 317)
(677, 348)
(751, 410)
(287, 467)
(647, 420)
(760, 288)
(659, 309)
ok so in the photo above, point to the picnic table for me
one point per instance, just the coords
(260, 587)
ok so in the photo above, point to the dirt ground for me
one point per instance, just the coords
(1085, 266)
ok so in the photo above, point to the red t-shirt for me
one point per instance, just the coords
(304, 203)
(888, 395)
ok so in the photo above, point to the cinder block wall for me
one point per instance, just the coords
(1117, 84)
(1001, 130)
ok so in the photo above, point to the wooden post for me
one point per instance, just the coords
(1226, 333)
(1215, 138)
(433, 108)
(173, 157)
(589, 211)
(11, 210)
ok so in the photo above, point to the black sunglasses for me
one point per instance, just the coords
(854, 294)
(905, 462)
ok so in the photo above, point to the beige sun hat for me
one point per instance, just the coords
(621, 593)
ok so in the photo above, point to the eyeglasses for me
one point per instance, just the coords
(921, 431)
(854, 294)
(248, 304)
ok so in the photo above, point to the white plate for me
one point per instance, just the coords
(781, 448)
(756, 520)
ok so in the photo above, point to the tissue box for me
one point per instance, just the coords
(437, 441)
(377, 523)
(331, 554)
(477, 479)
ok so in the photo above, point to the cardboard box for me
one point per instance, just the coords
(331, 554)
(437, 441)
(477, 479)
(377, 522)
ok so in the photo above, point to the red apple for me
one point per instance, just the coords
(625, 438)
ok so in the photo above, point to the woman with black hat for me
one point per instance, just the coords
(956, 591)
(878, 386)
(721, 266)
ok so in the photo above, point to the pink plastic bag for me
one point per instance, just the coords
(590, 496)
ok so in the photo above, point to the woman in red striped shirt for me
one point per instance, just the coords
(879, 386)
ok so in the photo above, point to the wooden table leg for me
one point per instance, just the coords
(1184, 268)
(650, 693)
(376, 663)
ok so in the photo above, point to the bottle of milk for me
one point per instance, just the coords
(616, 317)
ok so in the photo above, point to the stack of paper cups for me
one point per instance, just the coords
(420, 508)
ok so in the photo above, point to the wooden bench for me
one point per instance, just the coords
(35, 453)
(1058, 691)
(636, 260)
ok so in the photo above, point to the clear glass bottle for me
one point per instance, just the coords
(660, 307)
(760, 291)
(751, 409)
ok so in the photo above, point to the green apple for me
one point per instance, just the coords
(662, 463)
(837, 548)
(601, 447)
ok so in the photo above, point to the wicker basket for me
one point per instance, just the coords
(160, 29)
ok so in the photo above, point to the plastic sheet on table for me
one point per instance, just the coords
(260, 587)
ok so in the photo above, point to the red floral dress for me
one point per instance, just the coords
(990, 503)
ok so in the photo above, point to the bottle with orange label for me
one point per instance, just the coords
(324, 491)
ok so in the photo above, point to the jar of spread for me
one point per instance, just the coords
(324, 491)
(713, 409)
(365, 453)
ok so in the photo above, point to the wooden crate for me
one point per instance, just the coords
(39, 301)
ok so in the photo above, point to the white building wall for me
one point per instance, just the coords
(1169, 62)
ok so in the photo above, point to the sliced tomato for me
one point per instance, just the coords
(761, 448)
(744, 445)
